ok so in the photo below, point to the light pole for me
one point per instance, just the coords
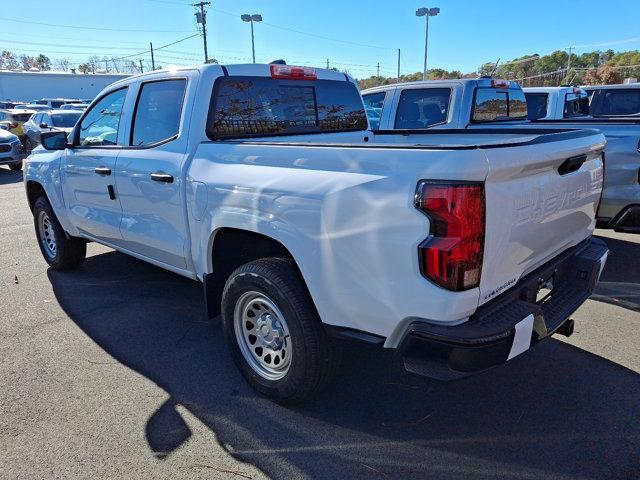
(426, 12)
(252, 18)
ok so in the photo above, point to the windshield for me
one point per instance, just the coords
(65, 120)
(497, 105)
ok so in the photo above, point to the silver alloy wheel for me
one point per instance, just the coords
(262, 335)
(47, 235)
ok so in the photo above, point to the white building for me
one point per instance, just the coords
(28, 86)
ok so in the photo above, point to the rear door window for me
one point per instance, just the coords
(373, 103)
(422, 107)
(492, 105)
(621, 101)
(537, 105)
(158, 111)
(244, 107)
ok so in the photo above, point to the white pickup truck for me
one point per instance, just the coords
(264, 183)
(556, 103)
(487, 102)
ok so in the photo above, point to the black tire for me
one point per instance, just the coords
(314, 357)
(28, 146)
(16, 166)
(69, 252)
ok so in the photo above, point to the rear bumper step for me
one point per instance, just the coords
(512, 322)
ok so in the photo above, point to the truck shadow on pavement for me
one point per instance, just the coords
(620, 281)
(8, 176)
(556, 412)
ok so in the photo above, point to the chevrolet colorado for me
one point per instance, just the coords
(482, 102)
(459, 249)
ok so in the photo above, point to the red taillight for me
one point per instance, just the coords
(452, 255)
(13, 125)
(500, 83)
(290, 72)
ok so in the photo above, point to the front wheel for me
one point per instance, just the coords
(16, 166)
(28, 146)
(274, 332)
(60, 251)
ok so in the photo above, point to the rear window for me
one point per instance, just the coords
(493, 105)
(422, 107)
(622, 101)
(576, 105)
(259, 106)
(537, 105)
(65, 120)
(21, 117)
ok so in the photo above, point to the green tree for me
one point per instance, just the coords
(43, 62)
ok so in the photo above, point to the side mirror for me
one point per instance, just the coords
(54, 140)
(44, 125)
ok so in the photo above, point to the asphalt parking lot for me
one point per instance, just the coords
(114, 372)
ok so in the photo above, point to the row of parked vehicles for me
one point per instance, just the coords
(446, 226)
(613, 110)
(22, 124)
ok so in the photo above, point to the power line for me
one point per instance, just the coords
(80, 27)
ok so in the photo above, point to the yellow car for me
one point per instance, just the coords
(13, 120)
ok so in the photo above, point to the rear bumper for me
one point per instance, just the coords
(512, 322)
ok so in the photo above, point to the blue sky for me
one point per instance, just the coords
(464, 35)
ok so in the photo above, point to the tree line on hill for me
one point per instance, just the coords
(12, 61)
(592, 68)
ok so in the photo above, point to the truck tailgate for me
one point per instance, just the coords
(538, 204)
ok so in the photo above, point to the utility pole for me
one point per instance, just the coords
(378, 70)
(398, 65)
(141, 69)
(201, 18)
(569, 59)
(327, 64)
(153, 61)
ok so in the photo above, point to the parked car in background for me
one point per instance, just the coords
(54, 103)
(486, 102)
(74, 106)
(14, 119)
(8, 104)
(32, 106)
(551, 103)
(303, 224)
(11, 153)
(614, 100)
(50, 121)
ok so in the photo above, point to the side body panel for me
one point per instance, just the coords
(347, 217)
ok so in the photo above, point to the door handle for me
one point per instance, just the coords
(102, 170)
(162, 177)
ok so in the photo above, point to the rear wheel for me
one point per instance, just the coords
(60, 251)
(274, 332)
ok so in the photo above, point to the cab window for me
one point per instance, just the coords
(422, 107)
(537, 105)
(99, 127)
(158, 111)
(493, 105)
(373, 103)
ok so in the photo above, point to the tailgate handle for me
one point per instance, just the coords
(571, 164)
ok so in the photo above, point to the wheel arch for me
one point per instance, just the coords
(34, 191)
(229, 249)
